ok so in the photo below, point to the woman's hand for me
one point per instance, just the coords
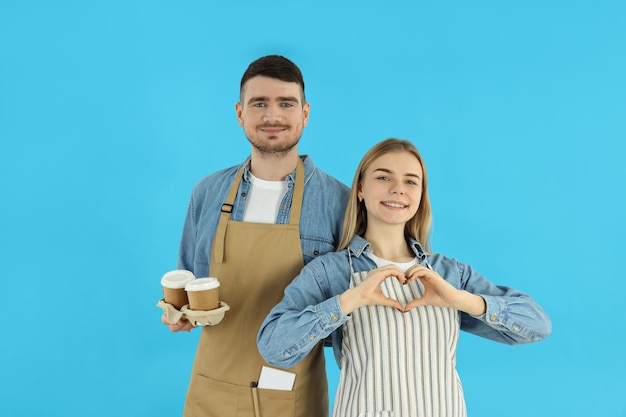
(440, 293)
(368, 292)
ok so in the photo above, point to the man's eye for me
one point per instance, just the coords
(259, 105)
(286, 104)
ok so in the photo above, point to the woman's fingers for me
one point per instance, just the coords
(381, 274)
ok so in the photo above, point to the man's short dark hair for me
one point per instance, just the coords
(274, 66)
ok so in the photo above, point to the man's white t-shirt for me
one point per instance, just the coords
(264, 199)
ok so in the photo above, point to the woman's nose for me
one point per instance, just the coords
(397, 188)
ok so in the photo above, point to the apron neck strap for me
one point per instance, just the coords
(227, 207)
(298, 192)
(350, 261)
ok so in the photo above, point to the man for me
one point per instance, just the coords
(254, 227)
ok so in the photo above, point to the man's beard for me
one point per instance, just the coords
(273, 146)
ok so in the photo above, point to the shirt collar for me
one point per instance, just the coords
(309, 168)
(358, 245)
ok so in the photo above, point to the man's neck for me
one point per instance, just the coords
(273, 167)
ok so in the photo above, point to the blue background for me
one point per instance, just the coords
(111, 111)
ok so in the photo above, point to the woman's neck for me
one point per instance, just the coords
(389, 244)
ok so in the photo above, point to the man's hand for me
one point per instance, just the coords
(183, 325)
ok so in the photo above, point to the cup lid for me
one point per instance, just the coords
(202, 284)
(177, 278)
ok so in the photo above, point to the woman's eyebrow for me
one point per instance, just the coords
(408, 174)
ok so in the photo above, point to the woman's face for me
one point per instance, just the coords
(392, 189)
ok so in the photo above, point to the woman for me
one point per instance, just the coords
(392, 308)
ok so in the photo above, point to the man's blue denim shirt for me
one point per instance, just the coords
(310, 311)
(321, 219)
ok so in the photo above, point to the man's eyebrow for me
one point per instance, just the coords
(257, 99)
(288, 98)
(408, 174)
(279, 99)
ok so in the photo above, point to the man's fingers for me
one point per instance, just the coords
(181, 326)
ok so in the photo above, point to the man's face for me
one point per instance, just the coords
(272, 114)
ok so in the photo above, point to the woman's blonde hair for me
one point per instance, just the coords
(355, 219)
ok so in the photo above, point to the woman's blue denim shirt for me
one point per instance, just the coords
(323, 207)
(309, 311)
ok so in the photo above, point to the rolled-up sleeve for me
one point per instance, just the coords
(511, 317)
(188, 240)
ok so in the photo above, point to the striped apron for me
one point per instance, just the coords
(398, 364)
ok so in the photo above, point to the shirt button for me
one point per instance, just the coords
(311, 338)
(516, 328)
(334, 318)
(493, 317)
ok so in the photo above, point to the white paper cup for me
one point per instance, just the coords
(174, 283)
(203, 293)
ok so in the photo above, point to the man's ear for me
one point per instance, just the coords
(239, 111)
(306, 109)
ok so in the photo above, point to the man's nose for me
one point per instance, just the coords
(272, 114)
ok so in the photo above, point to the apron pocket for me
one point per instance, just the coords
(210, 398)
(216, 398)
(276, 403)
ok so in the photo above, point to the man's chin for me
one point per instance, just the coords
(274, 148)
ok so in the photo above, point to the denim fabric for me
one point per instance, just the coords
(310, 311)
(323, 207)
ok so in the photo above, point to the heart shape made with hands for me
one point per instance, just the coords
(423, 286)
(405, 292)
(418, 286)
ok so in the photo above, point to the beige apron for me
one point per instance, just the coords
(254, 263)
